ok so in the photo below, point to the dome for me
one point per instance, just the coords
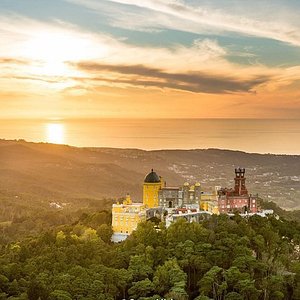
(152, 177)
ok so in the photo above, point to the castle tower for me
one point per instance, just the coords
(185, 191)
(197, 192)
(151, 187)
(240, 182)
(128, 200)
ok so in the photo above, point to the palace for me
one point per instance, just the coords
(126, 216)
(237, 199)
(187, 201)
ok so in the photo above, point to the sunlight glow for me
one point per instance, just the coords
(57, 46)
(55, 133)
(52, 51)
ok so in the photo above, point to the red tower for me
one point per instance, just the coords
(240, 182)
(237, 198)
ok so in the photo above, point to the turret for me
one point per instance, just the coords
(127, 200)
(151, 187)
(240, 182)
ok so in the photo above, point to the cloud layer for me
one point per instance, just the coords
(196, 82)
(117, 52)
(174, 14)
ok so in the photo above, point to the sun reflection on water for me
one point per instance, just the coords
(55, 133)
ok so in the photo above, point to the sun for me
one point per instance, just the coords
(55, 133)
(54, 50)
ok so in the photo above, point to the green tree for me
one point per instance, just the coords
(13, 289)
(213, 283)
(141, 288)
(170, 278)
(139, 267)
(248, 290)
(60, 295)
(233, 296)
(105, 232)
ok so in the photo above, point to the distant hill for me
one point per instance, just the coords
(49, 172)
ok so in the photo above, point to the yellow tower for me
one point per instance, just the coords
(152, 184)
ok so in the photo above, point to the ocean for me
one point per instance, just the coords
(250, 135)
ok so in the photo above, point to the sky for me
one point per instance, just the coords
(150, 59)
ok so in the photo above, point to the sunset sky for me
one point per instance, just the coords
(150, 58)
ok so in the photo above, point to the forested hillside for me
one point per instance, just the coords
(221, 258)
(55, 228)
(47, 172)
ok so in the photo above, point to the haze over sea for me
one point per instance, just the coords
(250, 135)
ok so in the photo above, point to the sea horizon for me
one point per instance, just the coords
(274, 136)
